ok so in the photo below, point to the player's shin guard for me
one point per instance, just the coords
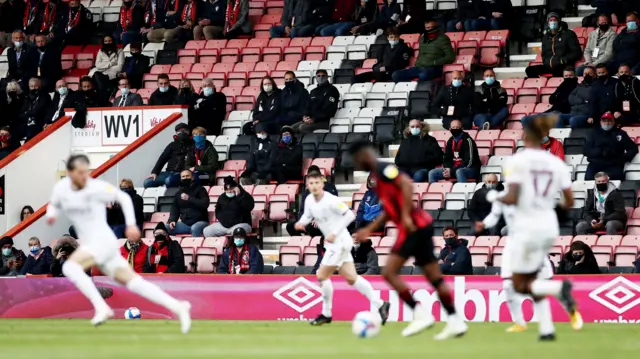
(153, 293)
(327, 297)
(544, 287)
(445, 295)
(543, 310)
(364, 287)
(513, 300)
(75, 273)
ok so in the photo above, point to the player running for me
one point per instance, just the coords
(414, 240)
(333, 217)
(533, 177)
(84, 200)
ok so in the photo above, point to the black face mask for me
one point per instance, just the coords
(603, 27)
(42, 48)
(67, 249)
(160, 237)
(34, 93)
(186, 182)
(571, 80)
(183, 136)
(127, 190)
(455, 132)
(577, 257)
(588, 79)
(13, 94)
(624, 78)
(108, 47)
(186, 89)
(289, 84)
(451, 242)
(603, 78)
(602, 187)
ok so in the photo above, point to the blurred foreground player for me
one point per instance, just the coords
(414, 240)
(84, 200)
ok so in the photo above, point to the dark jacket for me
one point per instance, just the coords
(589, 266)
(323, 103)
(50, 66)
(115, 216)
(137, 18)
(215, 12)
(236, 210)
(579, 99)
(604, 6)
(26, 67)
(267, 106)
(369, 208)
(436, 52)
(602, 97)
(322, 11)
(175, 259)
(256, 262)
(457, 259)
(344, 10)
(365, 14)
(159, 98)
(387, 12)
(365, 259)
(461, 98)
(328, 187)
(293, 102)
(11, 16)
(35, 110)
(135, 67)
(6, 151)
(288, 159)
(19, 257)
(259, 160)
(243, 23)
(42, 265)
(174, 156)
(560, 49)
(491, 99)
(468, 153)
(613, 206)
(479, 208)
(393, 58)
(560, 98)
(159, 18)
(626, 48)
(609, 148)
(84, 25)
(502, 6)
(628, 91)
(57, 111)
(418, 153)
(194, 209)
(11, 110)
(208, 160)
(55, 11)
(209, 112)
(469, 9)
(200, 9)
(415, 8)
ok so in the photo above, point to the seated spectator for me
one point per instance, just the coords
(468, 17)
(211, 26)
(166, 94)
(259, 167)
(394, 57)
(135, 252)
(115, 216)
(365, 258)
(579, 260)
(603, 8)
(559, 100)
(579, 101)
(342, 19)
(495, 15)
(109, 62)
(293, 101)
(321, 107)
(7, 143)
(604, 209)
(608, 148)
(365, 16)
(312, 228)
(491, 103)
(626, 109)
(61, 252)
(599, 49)
(266, 109)
(209, 110)
(11, 258)
(413, 17)
(174, 156)
(11, 18)
(286, 158)
(434, 52)
(64, 97)
(241, 257)
(161, 16)
(297, 20)
(233, 210)
(626, 46)
(602, 95)
(560, 48)
(135, 66)
(202, 159)
(237, 21)
(78, 27)
(455, 102)
(370, 206)
(127, 98)
(165, 255)
(88, 97)
(461, 159)
(39, 260)
(35, 110)
(388, 16)
(11, 104)
(455, 258)
(419, 152)
(130, 23)
(49, 64)
(187, 94)
(553, 146)
(26, 212)
(23, 60)
(192, 12)
(189, 211)
(479, 208)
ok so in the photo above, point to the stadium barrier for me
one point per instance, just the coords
(601, 298)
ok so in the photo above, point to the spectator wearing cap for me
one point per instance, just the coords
(626, 46)
(115, 217)
(233, 210)
(419, 152)
(626, 108)
(560, 48)
(135, 66)
(174, 156)
(461, 159)
(608, 148)
(599, 49)
(455, 101)
(135, 252)
(312, 228)
(395, 57)
(165, 255)
(259, 166)
(322, 106)
(209, 110)
(11, 258)
(61, 252)
(491, 103)
(370, 207)
(166, 94)
(202, 159)
(604, 209)
(365, 258)
(7, 143)
(266, 109)
(286, 158)
(39, 260)
(189, 211)
(241, 257)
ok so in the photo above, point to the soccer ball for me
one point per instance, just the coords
(366, 324)
(132, 313)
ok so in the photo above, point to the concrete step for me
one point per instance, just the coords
(509, 72)
(522, 60)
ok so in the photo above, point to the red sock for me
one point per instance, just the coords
(406, 297)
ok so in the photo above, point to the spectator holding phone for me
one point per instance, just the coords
(11, 259)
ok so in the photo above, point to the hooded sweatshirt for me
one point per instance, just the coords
(608, 206)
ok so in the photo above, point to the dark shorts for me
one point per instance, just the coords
(418, 244)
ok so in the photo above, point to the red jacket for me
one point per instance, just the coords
(344, 10)
(554, 147)
(139, 259)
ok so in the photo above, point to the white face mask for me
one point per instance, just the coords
(262, 136)
(268, 88)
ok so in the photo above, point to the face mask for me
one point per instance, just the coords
(160, 237)
(17, 44)
(414, 131)
(230, 194)
(625, 78)
(127, 190)
(124, 91)
(13, 94)
(134, 54)
(490, 80)
(239, 242)
(544, 139)
(577, 257)
(603, 27)
(199, 139)
(607, 127)
(602, 187)
(207, 91)
(455, 132)
(34, 92)
(456, 83)
(183, 136)
(553, 25)
(268, 88)
(432, 34)
(393, 42)
(450, 241)
(588, 79)
(163, 89)
(186, 89)
(632, 25)
(186, 182)
(6, 252)
(289, 84)
(4, 138)
(63, 91)
(286, 139)
(491, 185)
(321, 80)
(262, 136)
(356, 246)
(34, 249)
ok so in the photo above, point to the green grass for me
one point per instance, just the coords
(155, 339)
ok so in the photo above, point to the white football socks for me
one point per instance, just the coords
(514, 300)
(76, 274)
(543, 287)
(153, 293)
(545, 321)
(364, 287)
(327, 297)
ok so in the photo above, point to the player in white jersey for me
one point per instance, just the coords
(533, 177)
(84, 200)
(333, 217)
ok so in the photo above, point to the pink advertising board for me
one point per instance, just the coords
(602, 298)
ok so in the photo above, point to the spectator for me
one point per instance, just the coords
(603, 94)
(413, 17)
(286, 158)
(189, 211)
(388, 16)
(365, 16)
(233, 210)
(297, 20)
(35, 110)
(266, 109)
(186, 94)
(109, 62)
(579, 101)
(7, 144)
(342, 18)
(559, 100)
(166, 94)
(370, 206)
(293, 101)
(560, 48)
(468, 17)
(88, 97)
(626, 109)
(322, 106)
(64, 97)
(455, 101)
(237, 22)
(495, 15)
(455, 258)
(479, 207)
(461, 159)
(49, 64)
(209, 110)
(135, 252)
(365, 258)
(394, 57)
(607, 149)
(241, 257)
(491, 103)
(23, 60)
(434, 52)
(11, 13)
(130, 22)
(553, 146)
(61, 252)
(419, 152)
(211, 26)
(127, 98)
(192, 12)
(604, 209)
(115, 217)
(312, 228)
(135, 66)
(50, 25)
(161, 17)
(39, 260)
(174, 156)
(11, 104)
(79, 24)
(626, 46)
(26, 212)
(258, 167)
(599, 49)
(579, 260)
(603, 8)
(12, 259)
(165, 255)
(30, 19)
(202, 159)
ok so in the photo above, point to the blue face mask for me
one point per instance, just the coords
(490, 80)
(553, 25)
(414, 131)
(393, 42)
(607, 127)
(199, 141)
(456, 83)
(230, 194)
(124, 91)
(6, 252)
(63, 91)
(286, 139)
(544, 140)
(163, 89)
(632, 25)
(207, 91)
(356, 246)
(239, 242)
(34, 250)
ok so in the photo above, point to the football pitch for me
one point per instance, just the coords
(139, 339)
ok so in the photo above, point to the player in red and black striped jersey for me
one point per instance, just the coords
(415, 233)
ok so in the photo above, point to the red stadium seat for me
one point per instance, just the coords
(490, 53)
(277, 207)
(455, 36)
(488, 135)
(251, 91)
(280, 42)
(187, 56)
(521, 108)
(440, 187)
(293, 54)
(266, 66)
(479, 255)
(609, 240)
(503, 147)
(511, 135)
(467, 48)
(290, 256)
(589, 240)
(272, 54)
(554, 82)
(223, 68)
(180, 69)
(475, 35)
(310, 256)
(160, 69)
(535, 83)
(250, 54)
(512, 83)
(237, 79)
(261, 31)
(314, 53)
(215, 44)
(500, 35)
(255, 77)
(300, 42)
(230, 55)
(527, 95)
(258, 43)
(322, 41)
(238, 44)
(289, 190)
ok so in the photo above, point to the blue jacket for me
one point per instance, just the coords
(42, 265)
(369, 208)
(215, 12)
(457, 260)
(256, 263)
(602, 97)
